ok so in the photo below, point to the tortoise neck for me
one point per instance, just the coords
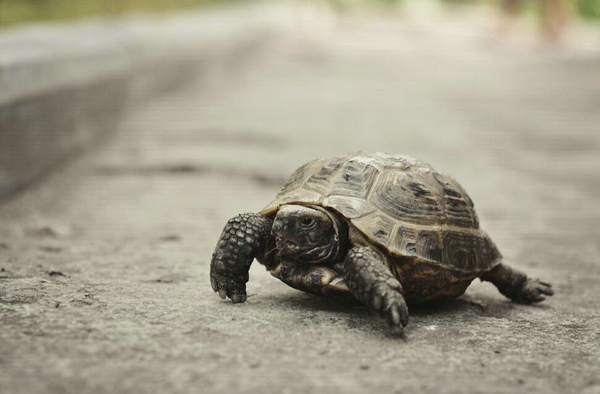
(340, 240)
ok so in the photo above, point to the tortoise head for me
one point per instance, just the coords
(309, 234)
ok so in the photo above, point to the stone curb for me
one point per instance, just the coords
(64, 86)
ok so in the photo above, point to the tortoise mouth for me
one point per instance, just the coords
(288, 248)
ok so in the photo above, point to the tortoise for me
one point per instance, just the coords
(388, 229)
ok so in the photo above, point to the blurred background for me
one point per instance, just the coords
(131, 131)
(14, 11)
(552, 15)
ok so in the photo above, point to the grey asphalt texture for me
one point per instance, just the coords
(104, 267)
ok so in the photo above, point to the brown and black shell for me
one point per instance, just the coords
(401, 205)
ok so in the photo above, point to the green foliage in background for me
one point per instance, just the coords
(15, 11)
(589, 8)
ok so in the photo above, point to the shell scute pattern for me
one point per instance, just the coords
(300, 175)
(398, 203)
(350, 207)
(354, 179)
(458, 206)
(377, 227)
(292, 191)
(406, 240)
(394, 195)
(399, 162)
(321, 181)
(468, 251)
(424, 243)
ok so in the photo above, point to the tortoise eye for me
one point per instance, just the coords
(308, 222)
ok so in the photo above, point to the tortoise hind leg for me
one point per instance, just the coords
(372, 283)
(517, 286)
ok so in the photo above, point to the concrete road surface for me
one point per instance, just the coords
(104, 267)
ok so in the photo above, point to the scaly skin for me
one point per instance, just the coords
(364, 271)
(517, 286)
(244, 237)
(372, 283)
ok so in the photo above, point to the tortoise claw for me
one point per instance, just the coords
(389, 302)
(227, 287)
(533, 291)
(397, 313)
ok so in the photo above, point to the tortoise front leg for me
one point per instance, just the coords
(517, 286)
(372, 283)
(244, 237)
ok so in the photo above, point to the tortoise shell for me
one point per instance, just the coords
(400, 204)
